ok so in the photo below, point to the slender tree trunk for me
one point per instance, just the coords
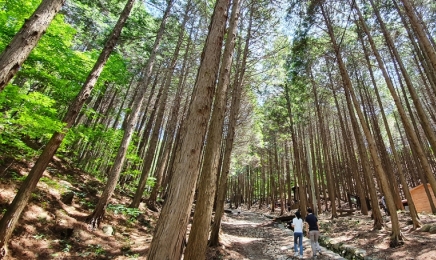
(10, 218)
(406, 123)
(323, 132)
(386, 162)
(114, 174)
(120, 109)
(302, 197)
(418, 28)
(352, 159)
(197, 243)
(396, 232)
(422, 56)
(169, 132)
(150, 154)
(271, 181)
(376, 214)
(316, 168)
(228, 147)
(311, 175)
(279, 177)
(169, 235)
(418, 170)
(288, 173)
(413, 212)
(429, 132)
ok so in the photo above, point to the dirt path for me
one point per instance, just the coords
(252, 235)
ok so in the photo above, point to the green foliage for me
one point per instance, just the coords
(26, 115)
(53, 184)
(98, 249)
(12, 16)
(38, 236)
(132, 213)
(66, 247)
(50, 78)
(18, 177)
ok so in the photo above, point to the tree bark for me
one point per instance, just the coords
(169, 232)
(17, 51)
(323, 132)
(197, 243)
(171, 127)
(420, 33)
(10, 218)
(396, 232)
(407, 125)
(97, 215)
(302, 197)
(228, 147)
(413, 212)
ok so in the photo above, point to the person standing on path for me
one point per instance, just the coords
(313, 231)
(385, 208)
(297, 224)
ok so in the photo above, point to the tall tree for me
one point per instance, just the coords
(10, 218)
(325, 148)
(405, 120)
(96, 216)
(418, 27)
(170, 129)
(170, 229)
(229, 141)
(396, 236)
(154, 138)
(197, 243)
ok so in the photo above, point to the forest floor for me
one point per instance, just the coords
(254, 235)
(52, 229)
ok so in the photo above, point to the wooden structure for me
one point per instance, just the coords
(345, 211)
(420, 198)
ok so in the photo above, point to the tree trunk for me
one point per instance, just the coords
(406, 123)
(10, 218)
(17, 51)
(288, 173)
(431, 136)
(169, 235)
(396, 232)
(150, 154)
(169, 132)
(420, 32)
(197, 243)
(302, 198)
(413, 212)
(386, 162)
(228, 147)
(146, 126)
(353, 162)
(279, 177)
(114, 174)
(323, 132)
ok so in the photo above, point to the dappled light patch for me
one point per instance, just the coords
(51, 229)
(354, 234)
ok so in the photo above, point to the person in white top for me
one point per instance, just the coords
(297, 224)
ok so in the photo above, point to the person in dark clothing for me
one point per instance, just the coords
(313, 232)
(385, 208)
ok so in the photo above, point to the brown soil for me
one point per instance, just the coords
(51, 229)
(356, 230)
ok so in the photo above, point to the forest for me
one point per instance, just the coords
(157, 117)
